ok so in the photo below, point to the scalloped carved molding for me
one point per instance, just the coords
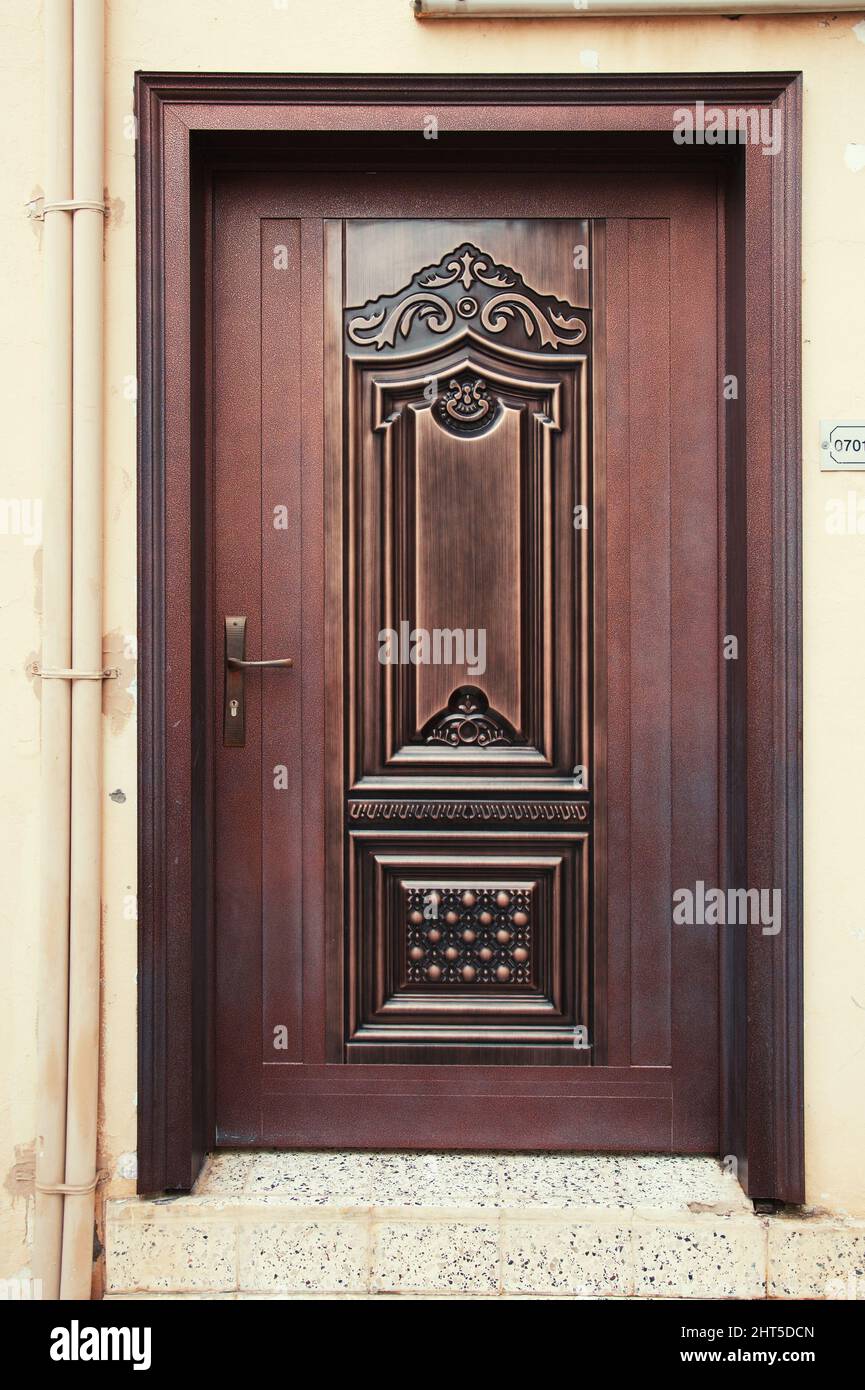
(565, 811)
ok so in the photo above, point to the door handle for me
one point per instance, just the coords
(234, 714)
(237, 664)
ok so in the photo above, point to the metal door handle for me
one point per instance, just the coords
(237, 664)
(234, 713)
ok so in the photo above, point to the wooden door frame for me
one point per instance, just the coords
(762, 1102)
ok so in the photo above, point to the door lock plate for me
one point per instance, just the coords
(234, 718)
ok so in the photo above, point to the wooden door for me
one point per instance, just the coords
(464, 473)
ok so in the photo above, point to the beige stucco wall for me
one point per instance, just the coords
(375, 35)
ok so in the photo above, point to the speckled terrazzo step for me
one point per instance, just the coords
(472, 1225)
(457, 1180)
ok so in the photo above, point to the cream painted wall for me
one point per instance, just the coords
(374, 35)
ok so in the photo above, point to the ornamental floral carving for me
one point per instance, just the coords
(467, 289)
(467, 407)
(468, 722)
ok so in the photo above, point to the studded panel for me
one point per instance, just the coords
(472, 937)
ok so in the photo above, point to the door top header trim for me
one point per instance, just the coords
(470, 89)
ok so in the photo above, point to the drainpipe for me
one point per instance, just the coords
(86, 797)
(563, 9)
(56, 655)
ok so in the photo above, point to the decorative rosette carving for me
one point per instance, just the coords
(468, 722)
(467, 407)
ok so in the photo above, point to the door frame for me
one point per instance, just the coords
(182, 118)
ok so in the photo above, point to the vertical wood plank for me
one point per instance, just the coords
(618, 652)
(337, 758)
(284, 890)
(649, 417)
(695, 374)
(313, 672)
(236, 404)
(597, 589)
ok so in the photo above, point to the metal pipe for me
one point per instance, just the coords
(56, 653)
(590, 9)
(86, 800)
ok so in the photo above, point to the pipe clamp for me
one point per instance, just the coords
(64, 673)
(38, 207)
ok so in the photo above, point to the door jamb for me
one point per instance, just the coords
(761, 1001)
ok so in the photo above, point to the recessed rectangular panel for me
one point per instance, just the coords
(468, 939)
(486, 939)
(468, 540)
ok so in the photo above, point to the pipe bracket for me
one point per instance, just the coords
(37, 208)
(63, 673)
(68, 1189)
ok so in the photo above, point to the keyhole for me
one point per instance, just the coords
(233, 707)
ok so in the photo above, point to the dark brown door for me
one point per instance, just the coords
(464, 473)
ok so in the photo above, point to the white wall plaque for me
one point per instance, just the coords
(842, 445)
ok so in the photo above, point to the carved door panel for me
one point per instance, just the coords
(468, 794)
(464, 472)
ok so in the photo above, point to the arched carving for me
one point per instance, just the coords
(436, 304)
(468, 722)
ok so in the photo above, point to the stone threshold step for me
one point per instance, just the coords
(472, 1180)
(470, 1225)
